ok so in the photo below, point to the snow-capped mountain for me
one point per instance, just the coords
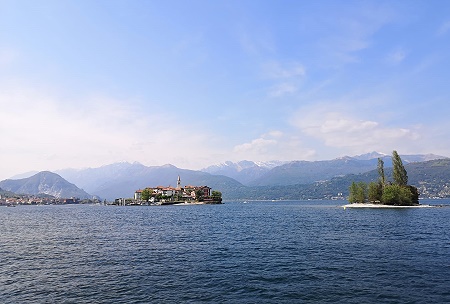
(243, 171)
(405, 158)
(304, 172)
(371, 155)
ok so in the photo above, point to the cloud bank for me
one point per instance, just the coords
(42, 131)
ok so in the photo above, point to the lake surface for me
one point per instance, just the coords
(258, 252)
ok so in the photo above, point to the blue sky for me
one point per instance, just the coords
(194, 83)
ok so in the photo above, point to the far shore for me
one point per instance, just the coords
(359, 205)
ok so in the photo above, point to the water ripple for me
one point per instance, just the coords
(267, 252)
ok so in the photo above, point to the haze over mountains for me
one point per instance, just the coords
(304, 172)
(123, 179)
(44, 182)
(244, 171)
(244, 179)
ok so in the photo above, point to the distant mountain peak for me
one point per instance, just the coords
(244, 164)
(24, 175)
(370, 155)
(345, 158)
(44, 182)
(168, 166)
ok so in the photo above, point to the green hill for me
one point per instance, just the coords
(432, 178)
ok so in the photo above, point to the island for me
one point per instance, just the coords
(166, 195)
(385, 194)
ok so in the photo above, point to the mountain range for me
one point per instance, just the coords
(44, 182)
(305, 172)
(241, 180)
(123, 179)
(244, 171)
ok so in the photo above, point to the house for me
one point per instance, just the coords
(138, 195)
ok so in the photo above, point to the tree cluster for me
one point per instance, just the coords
(216, 196)
(147, 194)
(397, 192)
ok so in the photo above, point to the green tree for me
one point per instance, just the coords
(397, 195)
(375, 192)
(352, 192)
(414, 195)
(216, 195)
(362, 192)
(146, 194)
(398, 171)
(358, 192)
(199, 195)
(380, 168)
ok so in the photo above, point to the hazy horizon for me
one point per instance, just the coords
(30, 173)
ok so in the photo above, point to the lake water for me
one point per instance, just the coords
(259, 252)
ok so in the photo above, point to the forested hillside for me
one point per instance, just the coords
(432, 178)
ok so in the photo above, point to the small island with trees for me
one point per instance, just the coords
(396, 193)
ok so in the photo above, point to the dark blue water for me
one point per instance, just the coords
(266, 252)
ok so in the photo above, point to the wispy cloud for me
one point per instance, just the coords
(274, 145)
(275, 70)
(351, 131)
(287, 77)
(256, 44)
(281, 89)
(348, 33)
(444, 28)
(396, 56)
(45, 132)
(259, 146)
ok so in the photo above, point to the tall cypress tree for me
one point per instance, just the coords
(381, 172)
(399, 171)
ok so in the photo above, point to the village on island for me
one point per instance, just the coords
(166, 195)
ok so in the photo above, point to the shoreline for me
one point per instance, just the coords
(195, 203)
(359, 205)
(188, 203)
